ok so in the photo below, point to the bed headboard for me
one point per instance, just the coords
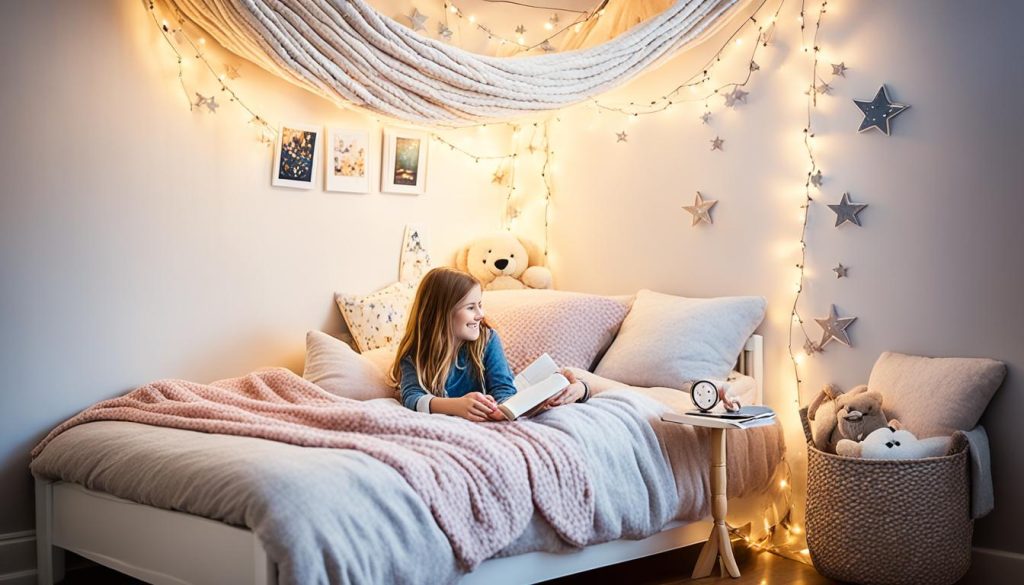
(751, 363)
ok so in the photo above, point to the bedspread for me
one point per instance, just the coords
(338, 515)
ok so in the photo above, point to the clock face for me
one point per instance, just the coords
(704, 394)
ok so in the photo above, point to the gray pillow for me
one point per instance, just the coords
(669, 341)
(935, 396)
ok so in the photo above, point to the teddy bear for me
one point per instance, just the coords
(893, 443)
(853, 415)
(503, 261)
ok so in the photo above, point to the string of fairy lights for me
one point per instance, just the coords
(508, 164)
(552, 24)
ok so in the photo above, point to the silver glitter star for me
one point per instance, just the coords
(717, 143)
(200, 100)
(810, 348)
(839, 69)
(840, 270)
(879, 111)
(520, 30)
(212, 105)
(824, 88)
(735, 96)
(418, 20)
(834, 328)
(705, 117)
(622, 136)
(816, 179)
(846, 211)
(443, 31)
(701, 209)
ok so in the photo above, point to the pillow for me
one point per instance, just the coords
(338, 369)
(573, 328)
(935, 396)
(378, 319)
(668, 341)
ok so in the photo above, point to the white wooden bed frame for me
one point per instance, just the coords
(165, 547)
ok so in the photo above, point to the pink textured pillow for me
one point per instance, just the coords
(573, 328)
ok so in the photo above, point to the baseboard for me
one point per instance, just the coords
(18, 558)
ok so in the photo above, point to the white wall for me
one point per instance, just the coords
(140, 240)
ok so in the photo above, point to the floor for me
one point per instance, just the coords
(669, 568)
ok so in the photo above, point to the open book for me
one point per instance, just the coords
(534, 385)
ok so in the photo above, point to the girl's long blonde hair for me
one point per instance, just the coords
(429, 338)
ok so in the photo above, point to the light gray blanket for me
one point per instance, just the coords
(340, 516)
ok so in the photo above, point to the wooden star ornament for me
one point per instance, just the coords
(834, 328)
(879, 112)
(717, 143)
(846, 211)
(621, 136)
(701, 209)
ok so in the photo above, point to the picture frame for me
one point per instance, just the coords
(404, 161)
(297, 156)
(347, 161)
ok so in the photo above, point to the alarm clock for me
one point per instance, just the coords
(704, 395)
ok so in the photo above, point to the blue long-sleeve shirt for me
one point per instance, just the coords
(497, 377)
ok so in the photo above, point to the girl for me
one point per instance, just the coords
(450, 361)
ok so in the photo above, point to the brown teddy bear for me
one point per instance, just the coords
(853, 415)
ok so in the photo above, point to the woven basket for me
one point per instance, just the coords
(889, 522)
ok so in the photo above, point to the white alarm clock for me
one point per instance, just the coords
(704, 395)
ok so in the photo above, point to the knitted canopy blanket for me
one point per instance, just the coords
(346, 51)
(480, 481)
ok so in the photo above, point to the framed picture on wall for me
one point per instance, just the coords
(347, 167)
(297, 156)
(404, 161)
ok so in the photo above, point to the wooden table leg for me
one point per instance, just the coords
(718, 543)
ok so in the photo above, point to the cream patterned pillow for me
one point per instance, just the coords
(378, 319)
(668, 340)
(573, 328)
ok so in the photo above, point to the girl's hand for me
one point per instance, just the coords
(571, 393)
(476, 406)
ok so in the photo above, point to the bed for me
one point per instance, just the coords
(80, 508)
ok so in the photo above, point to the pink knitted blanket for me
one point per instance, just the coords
(480, 481)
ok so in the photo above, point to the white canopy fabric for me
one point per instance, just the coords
(352, 55)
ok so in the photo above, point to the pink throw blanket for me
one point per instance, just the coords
(480, 481)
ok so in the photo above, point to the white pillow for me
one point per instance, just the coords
(378, 319)
(338, 369)
(668, 341)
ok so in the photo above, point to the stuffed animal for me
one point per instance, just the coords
(852, 415)
(892, 443)
(504, 261)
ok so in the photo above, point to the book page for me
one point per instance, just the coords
(536, 372)
(526, 399)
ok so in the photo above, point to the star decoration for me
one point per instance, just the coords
(443, 31)
(734, 96)
(839, 69)
(701, 209)
(547, 46)
(705, 117)
(418, 20)
(520, 30)
(816, 179)
(810, 348)
(210, 102)
(840, 270)
(879, 111)
(846, 211)
(621, 136)
(717, 143)
(834, 328)
(231, 71)
(754, 66)
(824, 88)
(498, 177)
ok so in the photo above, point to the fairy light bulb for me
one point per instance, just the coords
(202, 41)
(453, 9)
(472, 19)
(548, 25)
(798, 359)
(739, 42)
